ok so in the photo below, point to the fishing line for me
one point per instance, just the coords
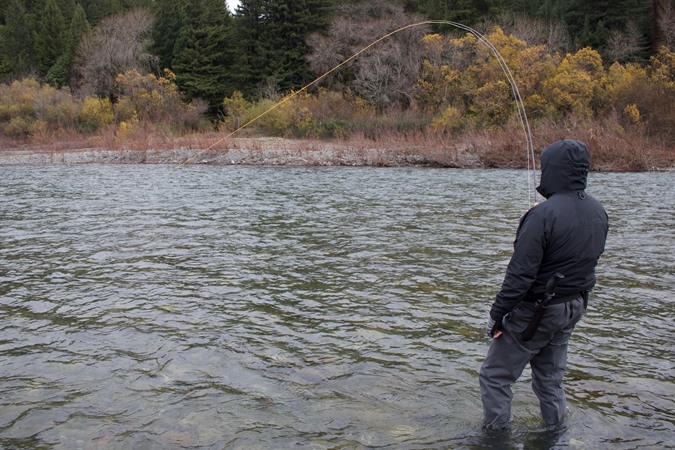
(522, 114)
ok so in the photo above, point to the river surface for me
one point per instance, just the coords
(161, 307)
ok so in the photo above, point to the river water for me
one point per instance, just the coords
(259, 307)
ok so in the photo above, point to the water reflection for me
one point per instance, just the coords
(230, 307)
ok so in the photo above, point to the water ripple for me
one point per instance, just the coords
(235, 307)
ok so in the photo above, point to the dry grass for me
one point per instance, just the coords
(612, 147)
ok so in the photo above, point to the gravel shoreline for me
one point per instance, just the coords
(294, 152)
(251, 151)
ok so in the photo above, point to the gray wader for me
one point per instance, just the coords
(546, 353)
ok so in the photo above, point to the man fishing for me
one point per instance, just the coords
(545, 289)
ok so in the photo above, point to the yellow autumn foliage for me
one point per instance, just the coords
(234, 106)
(95, 113)
(632, 112)
(662, 67)
(461, 86)
(451, 118)
(146, 97)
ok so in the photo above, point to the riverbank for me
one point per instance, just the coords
(211, 149)
(469, 151)
(249, 151)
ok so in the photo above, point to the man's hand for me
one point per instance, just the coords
(489, 326)
(492, 328)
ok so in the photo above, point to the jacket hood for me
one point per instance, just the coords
(564, 166)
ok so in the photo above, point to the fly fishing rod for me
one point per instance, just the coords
(520, 106)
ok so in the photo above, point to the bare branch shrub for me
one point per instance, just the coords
(664, 23)
(625, 46)
(117, 44)
(384, 74)
(534, 31)
(56, 107)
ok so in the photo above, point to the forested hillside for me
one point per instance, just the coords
(263, 45)
(83, 66)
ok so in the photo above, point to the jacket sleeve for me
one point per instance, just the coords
(521, 273)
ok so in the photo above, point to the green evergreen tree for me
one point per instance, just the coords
(98, 9)
(130, 4)
(271, 42)
(67, 8)
(166, 29)
(59, 73)
(16, 41)
(4, 5)
(249, 30)
(288, 25)
(79, 25)
(639, 12)
(50, 36)
(591, 23)
(467, 12)
(203, 53)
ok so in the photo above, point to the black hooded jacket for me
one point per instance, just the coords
(566, 233)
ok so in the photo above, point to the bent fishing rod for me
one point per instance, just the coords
(522, 114)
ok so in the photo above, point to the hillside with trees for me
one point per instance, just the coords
(109, 71)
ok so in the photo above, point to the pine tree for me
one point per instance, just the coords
(288, 25)
(467, 12)
(50, 36)
(166, 29)
(98, 9)
(591, 23)
(131, 4)
(271, 38)
(16, 51)
(249, 69)
(79, 25)
(4, 5)
(67, 8)
(59, 73)
(203, 55)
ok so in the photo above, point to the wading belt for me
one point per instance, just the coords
(540, 305)
(555, 300)
(549, 298)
